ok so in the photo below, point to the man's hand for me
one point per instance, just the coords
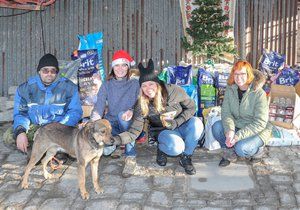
(116, 140)
(22, 142)
(126, 116)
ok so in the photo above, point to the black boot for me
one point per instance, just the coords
(256, 158)
(186, 162)
(161, 158)
(224, 162)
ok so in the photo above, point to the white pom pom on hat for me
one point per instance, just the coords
(121, 57)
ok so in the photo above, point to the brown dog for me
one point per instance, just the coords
(86, 145)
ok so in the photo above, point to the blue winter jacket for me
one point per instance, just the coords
(38, 104)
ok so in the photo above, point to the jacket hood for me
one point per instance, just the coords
(259, 79)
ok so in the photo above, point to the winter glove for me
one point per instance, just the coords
(171, 124)
(116, 140)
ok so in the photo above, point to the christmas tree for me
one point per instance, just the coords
(208, 30)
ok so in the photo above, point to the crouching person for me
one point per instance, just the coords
(44, 99)
(177, 134)
(244, 128)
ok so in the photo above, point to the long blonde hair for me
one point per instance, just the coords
(159, 100)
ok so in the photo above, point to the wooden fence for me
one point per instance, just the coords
(146, 28)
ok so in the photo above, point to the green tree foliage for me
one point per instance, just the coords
(207, 28)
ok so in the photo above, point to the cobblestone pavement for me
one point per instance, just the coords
(276, 184)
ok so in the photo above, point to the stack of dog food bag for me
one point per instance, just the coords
(91, 71)
(204, 84)
(283, 90)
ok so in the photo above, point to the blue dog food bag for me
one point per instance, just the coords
(207, 90)
(191, 91)
(89, 78)
(179, 75)
(271, 62)
(288, 76)
(93, 41)
(221, 83)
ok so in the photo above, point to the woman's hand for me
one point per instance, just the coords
(126, 116)
(22, 142)
(230, 139)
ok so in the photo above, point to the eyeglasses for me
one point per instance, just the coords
(49, 70)
(240, 75)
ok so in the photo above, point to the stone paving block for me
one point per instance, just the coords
(243, 202)
(31, 208)
(159, 198)
(149, 207)
(283, 188)
(6, 116)
(242, 208)
(287, 199)
(107, 204)
(18, 198)
(108, 179)
(3, 103)
(109, 192)
(9, 105)
(216, 179)
(298, 199)
(181, 184)
(163, 182)
(137, 184)
(264, 208)
(180, 208)
(196, 202)
(12, 90)
(133, 196)
(220, 203)
(112, 169)
(179, 202)
(210, 208)
(54, 203)
(281, 178)
(131, 206)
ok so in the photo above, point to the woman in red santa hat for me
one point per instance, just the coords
(119, 93)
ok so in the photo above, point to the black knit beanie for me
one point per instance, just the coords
(147, 74)
(48, 60)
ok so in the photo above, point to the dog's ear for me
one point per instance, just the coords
(89, 128)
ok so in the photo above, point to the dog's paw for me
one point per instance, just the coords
(99, 190)
(85, 195)
(47, 175)
(24, 185)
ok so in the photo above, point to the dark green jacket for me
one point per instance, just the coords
(251, 115)
(177, 100)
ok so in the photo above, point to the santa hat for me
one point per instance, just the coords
(121, 57)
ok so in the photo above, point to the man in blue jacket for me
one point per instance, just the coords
(43, 99)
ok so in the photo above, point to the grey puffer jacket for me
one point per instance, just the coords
(177, 100)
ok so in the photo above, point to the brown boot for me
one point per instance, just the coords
(129, 166)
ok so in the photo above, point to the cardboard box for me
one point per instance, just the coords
(292, 93)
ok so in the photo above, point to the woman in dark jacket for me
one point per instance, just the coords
(177, 134)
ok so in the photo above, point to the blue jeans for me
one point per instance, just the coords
(183, 139)
(117, 128)
(244, 148)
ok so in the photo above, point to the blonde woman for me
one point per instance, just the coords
(177, 134)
